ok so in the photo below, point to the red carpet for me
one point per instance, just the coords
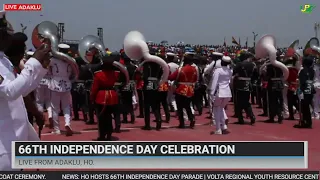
(260, 132)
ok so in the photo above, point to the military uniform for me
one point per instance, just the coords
(60, 86)
(185, 78)
(275, 88)
(139, 87)
(221, 94)
(197, 99)
(150, 74)
(307, 91)
(106, 99)
(128, 92)
(292, 86)
(242, 85)
(163, 96)
(316, 99)
(81, 91)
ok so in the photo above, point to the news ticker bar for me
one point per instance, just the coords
(151, 155)
(158, 175)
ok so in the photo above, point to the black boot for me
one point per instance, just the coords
(158, 126)
(133, 118)
(117, 129)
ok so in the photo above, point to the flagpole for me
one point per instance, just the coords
(254, 38)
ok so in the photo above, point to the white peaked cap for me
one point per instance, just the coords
(226, 59)
(170, 54)
(63, 46)
(218, 64)
(217, 54)
(2, 13)
(30, 53)
(190, 53)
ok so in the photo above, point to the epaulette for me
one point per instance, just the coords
(98, 71)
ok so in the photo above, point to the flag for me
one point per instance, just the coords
(234, 41)
(247, 43)
(224, 42)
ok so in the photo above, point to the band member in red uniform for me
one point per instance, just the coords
(185, 78)
(293, 65)
(105, 97)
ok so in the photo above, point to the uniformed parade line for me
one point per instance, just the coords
(128, 128)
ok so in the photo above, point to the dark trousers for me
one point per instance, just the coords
(234, 99)
(164, 102)
(204, 97)
(293, 100)
(30, 117)
(151, 100)
(79, 103)
(254, 97)
(259, 96)
(183, 102)
(265, 106)
(243, 103)
(197, 100)
(126, 106)
(275, 104)
(305, 110)
(141, 102)
(104, 116)
(90, 105)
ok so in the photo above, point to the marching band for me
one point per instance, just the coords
(108, 85)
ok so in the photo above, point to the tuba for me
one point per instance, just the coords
(312, 47)
(136, 47)
(294, 51)
(49, 30)
(89, 44)
(266, 47)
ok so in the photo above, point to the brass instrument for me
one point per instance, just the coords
(89, 44)
(49, 30)
(135, 47)
(266, 47)
(312, 47)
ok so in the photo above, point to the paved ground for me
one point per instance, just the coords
(260, 132)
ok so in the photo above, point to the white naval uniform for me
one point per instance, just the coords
(60, 86)
(285, 99)
(208, 71)
(220, 94)
(43, 95)
(14, 123)
(171, 100)
(316, 98)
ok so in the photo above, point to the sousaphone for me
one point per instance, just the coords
(49, 30)
(266, 47)
(90, 45)
(136, 47)
(312, 47)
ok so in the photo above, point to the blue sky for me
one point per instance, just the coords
(191, 21)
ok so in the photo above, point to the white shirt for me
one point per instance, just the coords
(60, 79)
(221, 82)
(316, 76)
(14, 124)
(173, 67)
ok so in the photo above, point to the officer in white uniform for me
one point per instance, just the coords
(316, 98)
(43, 97)
(60, 86)
(14, 123)
(173, 67)
(220, 93)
